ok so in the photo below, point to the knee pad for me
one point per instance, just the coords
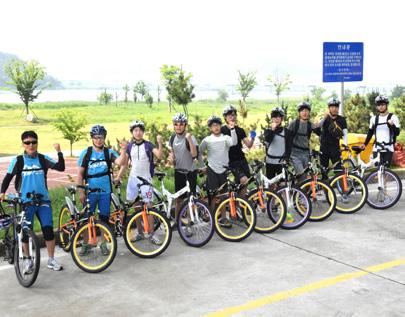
(104, 218)
(48, 233)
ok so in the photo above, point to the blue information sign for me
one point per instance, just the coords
(342, 61)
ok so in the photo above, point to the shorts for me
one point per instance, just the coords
(43, 212)
(146, 191)
(102, 201)
(214, 180)
(386, 157)
(180, 181)
(300, 161)
(272, 170)
(242, 169)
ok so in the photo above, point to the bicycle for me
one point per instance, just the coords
(384, 185)
(21, 244)
(351, 192)
(148, 232)
(321, 194)
(92, 243)
(268, 220)
(195, 222)
(238, 211)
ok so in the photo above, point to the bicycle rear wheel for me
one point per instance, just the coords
(196, 231)
(26, 263)
(234, 228)
(95, 254)
(65, 228)
(298, 206)
(323, 199)
(148, 244)
(351, 197)
(270, 212)
(386, 196)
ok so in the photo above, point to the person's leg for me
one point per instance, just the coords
(212, 185)
(179, 183)
(324, 160)
(132, 194)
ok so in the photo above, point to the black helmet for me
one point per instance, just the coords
(381, 99)
(98, 129)
(228, 109)
(180, 117)
(277, 112)
(333, 102)
(214, 119)
(137, 124)
(304, 105)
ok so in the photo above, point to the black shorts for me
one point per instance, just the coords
(180, 181)
(385, 157)
(242, 169)
(272, 170)
(214, 180)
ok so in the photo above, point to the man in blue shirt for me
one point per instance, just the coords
(95, 169)
(30, 170)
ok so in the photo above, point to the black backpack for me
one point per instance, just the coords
(20, 169)
(297, 127)
(86, 162)
(393, 135)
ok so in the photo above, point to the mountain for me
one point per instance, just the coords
(5, 58)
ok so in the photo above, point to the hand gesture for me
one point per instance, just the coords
(188, 136)
(159, 139)
(123, 144)
(57, 147)
(274, 126)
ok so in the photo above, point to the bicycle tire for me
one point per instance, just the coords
(65, 233)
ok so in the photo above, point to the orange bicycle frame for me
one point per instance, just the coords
(232, 205)
(92, 231)
(146, 226)
(260, 195)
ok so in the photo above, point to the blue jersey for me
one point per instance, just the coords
(32, 176)
(98, 165)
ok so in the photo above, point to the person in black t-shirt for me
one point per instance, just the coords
(333, 128)
(237, 159)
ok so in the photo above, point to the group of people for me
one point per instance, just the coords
(223, 147)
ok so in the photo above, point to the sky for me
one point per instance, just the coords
(118, 42)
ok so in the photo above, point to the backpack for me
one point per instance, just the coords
(149, 153)
(267, 146)
(20, 169)
(393, 136)
(87, 161)
(171, 141)
(295, 132)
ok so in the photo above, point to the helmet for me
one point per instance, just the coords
(5, 221)
(180, 117)
(137, 124)
(228, 109)
(277, 112)
(333, 102)
(98, 129)
(381, 99)
(304, 105)
(214, 119)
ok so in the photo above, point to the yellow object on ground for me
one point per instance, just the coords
(356, 139)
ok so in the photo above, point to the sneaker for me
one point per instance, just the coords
(155, 240)
(28, 266)
(289, 218)
(138, 237)
(189, 232)
(54, 265)
(223, 222)
(104, 248)
(345, 199)
(85, 249)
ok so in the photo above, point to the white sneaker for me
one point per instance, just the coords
(28, 266)
(54, 265)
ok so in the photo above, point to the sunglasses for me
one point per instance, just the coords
(98, 137)
(33, 142)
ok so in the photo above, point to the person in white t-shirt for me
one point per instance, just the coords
(385, 127)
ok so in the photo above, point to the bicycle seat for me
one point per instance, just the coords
(144, 181)
(182, 171)
(356, 149)
(160, 174)
(71, 189)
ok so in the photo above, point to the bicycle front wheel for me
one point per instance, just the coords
(27, 258)
(385, 194)
(270, 210)
(322, 197)
(234, 228)
(195, 229)
(298, 206)
(148, 244)
(94, 247)
(351, 193)
(65, 228)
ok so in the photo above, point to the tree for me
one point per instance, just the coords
(357, 114)
(141, 88)
(178, 85)
(27, 78)
(135, 94)
(70, 125)
(158, 94)
(280, 83)
(222, 95)
(126, 90)
(149, 99)
(398, 91)
(317, 92)
(246, 83)
(105, 97)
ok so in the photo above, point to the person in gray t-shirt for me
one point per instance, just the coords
(301, 129)
(183, 154)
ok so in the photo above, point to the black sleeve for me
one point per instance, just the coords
(369, 136)
(344, 123)
(269, 135)
(242, 133)
(59, 165)
(6, 182)
(288, 143)
(225, 130)
(317, 131)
